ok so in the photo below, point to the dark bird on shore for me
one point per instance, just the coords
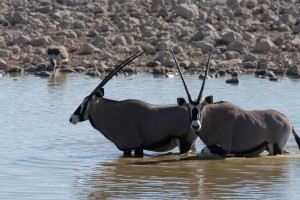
(57, 54)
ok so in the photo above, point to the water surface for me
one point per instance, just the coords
(43, 156)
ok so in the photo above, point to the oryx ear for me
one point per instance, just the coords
(209, 99)
(100, 93)
(181, 101)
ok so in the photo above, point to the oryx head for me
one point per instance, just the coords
(194, 106)
(82, 112)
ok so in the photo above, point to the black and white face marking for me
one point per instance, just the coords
(80, 113)
(194, 108)
(195, 112)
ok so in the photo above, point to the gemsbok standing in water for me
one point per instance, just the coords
(134, 125)
(229, 130)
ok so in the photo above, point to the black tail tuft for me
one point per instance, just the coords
(297, 138)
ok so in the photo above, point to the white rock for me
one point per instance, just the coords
(187, 11)
(88, 48)
(229, 36)
(263, 44)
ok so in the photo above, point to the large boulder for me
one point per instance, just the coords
(263, 45)
(187, 11)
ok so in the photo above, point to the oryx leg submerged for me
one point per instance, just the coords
(227, 129)
(134, 125)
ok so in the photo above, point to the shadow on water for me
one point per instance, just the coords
(173, 176)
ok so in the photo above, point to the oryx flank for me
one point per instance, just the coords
(136, 125)
(227, 129)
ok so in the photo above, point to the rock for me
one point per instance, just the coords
(249, 65)
(5, 53)
(187, 11)
(17, 18)
(93, 72)
(43, 74)
(249, 57)
(293, 70)
(88, 48)
(158, 70)
(165, 58)
(263, 45)
(248, 36)
(100, 42)
(297, 27)
(153, 64)
(278, 41)
(229, 36)
(295, 42)
(92, 33)
(276, 79)
(163, 46)
(15, 69)
(232, 2)
(204, 46)
(79, 69)
(119, 40)
(261, 72)
(237, 46)
(66, 70)
(129, 70)
(232, 81)
(40, 41)
(177, 49)
(3, 64)
(21, 40)
(232, 55)
(279, 71)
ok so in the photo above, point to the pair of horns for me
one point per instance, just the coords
(116, 70)
(203, 83)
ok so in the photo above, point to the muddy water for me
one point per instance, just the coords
(45, 157)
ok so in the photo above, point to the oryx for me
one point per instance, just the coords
(230, 130)
(136, 125)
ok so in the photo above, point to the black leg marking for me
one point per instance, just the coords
(276, 149)
(185, 145)
(127, 153)
(138, 152)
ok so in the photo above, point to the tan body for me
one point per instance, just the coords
(134, 124)
(237, 130)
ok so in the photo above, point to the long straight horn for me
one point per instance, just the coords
(116, 70)
(183, 81)
(203, 83)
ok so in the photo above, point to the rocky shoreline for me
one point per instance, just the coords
(256, 36)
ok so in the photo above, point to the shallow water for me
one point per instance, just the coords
(43, 156)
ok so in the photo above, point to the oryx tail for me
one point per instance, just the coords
(297, 138)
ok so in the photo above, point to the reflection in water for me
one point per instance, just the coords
(170, 177)
(60, 79)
